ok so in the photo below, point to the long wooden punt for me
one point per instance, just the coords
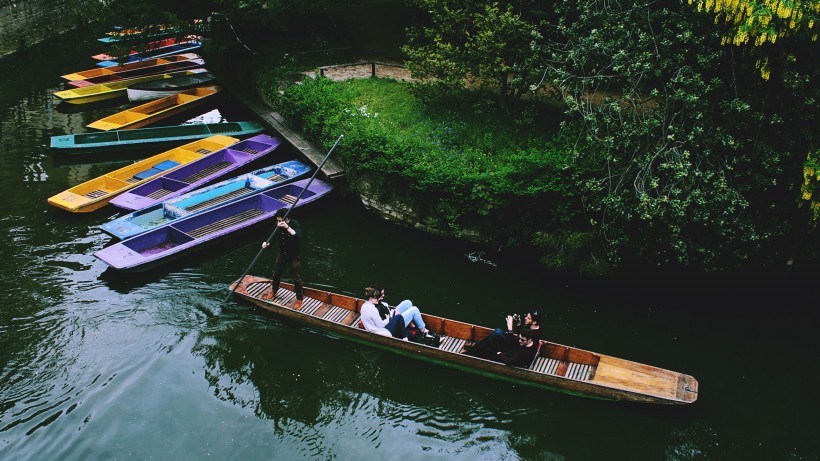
(187, 64)
(161, 136)
(98, 72)
(165, 243)
(154, 111)
(96, 193)
(161, 88)
(556, 366)
(156, 44)
(178, 48)
(197, 173)
(117, 89)
(204, 199)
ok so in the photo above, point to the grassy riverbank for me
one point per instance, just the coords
(462, 165)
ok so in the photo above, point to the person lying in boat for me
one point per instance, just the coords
(501, 340)
(521, 354)
(394, 321)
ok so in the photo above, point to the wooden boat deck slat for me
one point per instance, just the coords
(96, 193)
(218, 199)
(206, 172)
(248, 150)
(451, 344)
(289, 199)
(310, 305)
(225, 223)
(577, 371)
(336, 314)
(203, 150)
(158, 194)
(257, 289)
(277, 177)
(133, 180)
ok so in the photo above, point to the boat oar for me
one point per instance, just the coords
(276, 228)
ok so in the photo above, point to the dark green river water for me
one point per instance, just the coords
(101, 366)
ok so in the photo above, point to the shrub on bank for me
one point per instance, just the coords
(439, 158)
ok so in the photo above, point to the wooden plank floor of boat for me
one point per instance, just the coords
(337, 314)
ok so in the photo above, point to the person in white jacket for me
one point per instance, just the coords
(380, 319)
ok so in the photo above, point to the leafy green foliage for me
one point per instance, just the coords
(490, 44)
(442, 159)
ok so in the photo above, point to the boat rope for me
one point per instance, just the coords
(689, 389)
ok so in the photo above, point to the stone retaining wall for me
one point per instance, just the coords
(24, 23)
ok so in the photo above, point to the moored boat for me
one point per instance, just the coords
(154, 111)
(165, 243)
(106, 71)
(178, 48)
(204, 199)
(184, 64)
(117, 89)
(160, 88)
(156, 44)
(556, 367)
(140, 138)
(197, 173)
(96, 193)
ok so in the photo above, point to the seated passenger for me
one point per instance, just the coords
(521, 354)
(502, 340)
(406, 308)
(394, 321)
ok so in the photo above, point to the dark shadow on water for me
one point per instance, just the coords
(120, 103)
(109, 156)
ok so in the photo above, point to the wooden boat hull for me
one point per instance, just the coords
(204, 199)
(96, 193)
(197, 173)
(165, 243)
(156, 44)
(115, 89)
(189, 64)
(339, 314)
(106, 71)
(143, 138)
(179, 48)
(154, 111)
(161, 88)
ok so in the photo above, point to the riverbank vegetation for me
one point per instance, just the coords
(685, 134)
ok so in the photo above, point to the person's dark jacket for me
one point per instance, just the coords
(289, 244)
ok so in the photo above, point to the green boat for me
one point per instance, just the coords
(163, 136)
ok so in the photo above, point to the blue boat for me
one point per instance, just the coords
(197, 173)
(162, 244)
(204, 199)
(169, 50)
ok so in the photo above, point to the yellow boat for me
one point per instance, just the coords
(111, 90)
(148, 113)
(128, 67)
(96, 193)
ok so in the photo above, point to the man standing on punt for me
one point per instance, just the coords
(290, 232)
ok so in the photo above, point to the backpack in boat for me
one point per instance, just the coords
(430, 339)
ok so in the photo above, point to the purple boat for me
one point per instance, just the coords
(162, 244)
(197, 173)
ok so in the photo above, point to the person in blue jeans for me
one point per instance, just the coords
(408, 311)
(502, 340)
